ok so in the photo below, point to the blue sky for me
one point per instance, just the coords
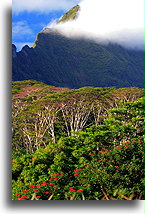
(29, 17)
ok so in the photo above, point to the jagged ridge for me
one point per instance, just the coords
(73, 63)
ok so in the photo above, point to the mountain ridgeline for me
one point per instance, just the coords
(73, 63)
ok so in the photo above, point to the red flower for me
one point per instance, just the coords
(119, 148)
(71, 187)
(24, 197)
(55, 178)
(133, 141)
(51, 178)
(99, 160)
(32, 185)
(93, 151)
(56, 174)
(62, 173)
(25, 191)
(18, 194)
(19, 198)
(75, 174)
(47, 192)
(87, 164)
(126, 146)
(37, 186)
(77, 170)
(35, 189)
(85, 179)
(80, 190)
(55, 187)
(91, 154)
(44, 183)
(38, 196)
(116, 166)
(105, 167)
(51, 184)
(116, 170)
(72, 190)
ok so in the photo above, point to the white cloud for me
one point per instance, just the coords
(42, 5)
(52, 23)
(20, 29)
(119, 21)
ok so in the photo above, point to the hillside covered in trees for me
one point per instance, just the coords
(76, 144)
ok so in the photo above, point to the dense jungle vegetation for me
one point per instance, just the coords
(78, 144)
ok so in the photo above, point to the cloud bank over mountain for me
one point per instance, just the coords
(118, 21)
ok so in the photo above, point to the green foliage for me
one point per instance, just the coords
(99, 160)
(119, 170)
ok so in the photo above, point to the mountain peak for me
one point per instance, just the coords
(70, 15)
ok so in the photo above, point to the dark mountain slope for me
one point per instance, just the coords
(60, 61)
